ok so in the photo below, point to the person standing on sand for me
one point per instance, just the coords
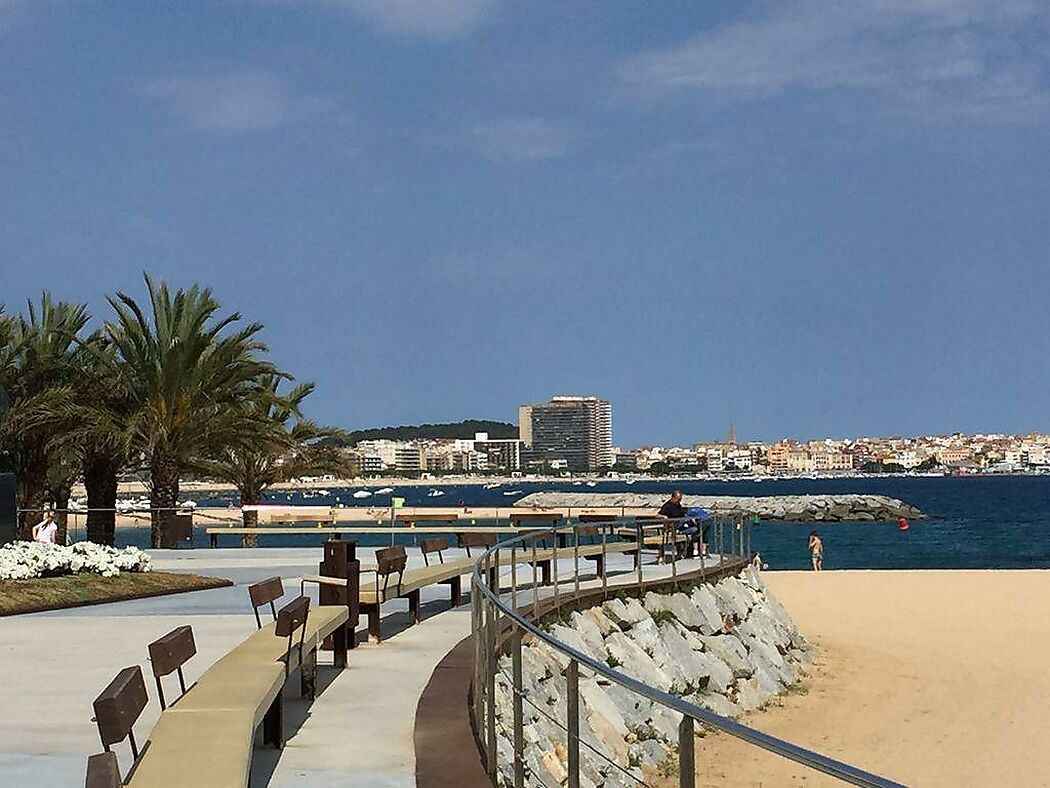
(816, 551)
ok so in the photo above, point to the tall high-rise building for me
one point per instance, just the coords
(577, 430)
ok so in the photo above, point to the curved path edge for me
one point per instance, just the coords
(447, 752)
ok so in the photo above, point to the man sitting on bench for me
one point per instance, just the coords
(674, 510)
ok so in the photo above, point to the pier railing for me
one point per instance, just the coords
(502, 615)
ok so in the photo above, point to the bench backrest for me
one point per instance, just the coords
(265, 592)
(389, 561)
(168, 654)
(469, 539)
(290, 618)
(118, 706)
(103, 771)
(436, 545)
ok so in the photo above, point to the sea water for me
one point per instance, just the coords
(979, 522)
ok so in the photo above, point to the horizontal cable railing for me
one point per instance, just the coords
(499, 625)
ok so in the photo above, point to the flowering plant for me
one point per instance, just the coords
(25, 560)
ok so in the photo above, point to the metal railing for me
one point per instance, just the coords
(499, 625)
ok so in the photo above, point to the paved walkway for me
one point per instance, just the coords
(52, 665)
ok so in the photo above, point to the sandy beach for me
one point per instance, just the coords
(931, 678)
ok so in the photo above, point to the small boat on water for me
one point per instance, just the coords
(577, 484)
(322, 492)
(513, 492)
(435, 493)
(491, 486)
(362, 494)
(592, 484)
(384, 491)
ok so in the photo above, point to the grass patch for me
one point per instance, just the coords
(87, 588)
(663, 616)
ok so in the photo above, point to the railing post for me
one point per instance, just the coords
(514, 577)
(605, 564)
(686, 754)
(641, 543)
(554, 569)
(519, 716)
(576, 561)
(490, 691)
(476, 685)
(572, 727)
(535, 586)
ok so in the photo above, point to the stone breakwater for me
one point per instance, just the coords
(728, 647)
(793, 508)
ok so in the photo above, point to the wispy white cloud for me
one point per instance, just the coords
(978, 59)
(438, 19)
(235, 101)
(521, 138)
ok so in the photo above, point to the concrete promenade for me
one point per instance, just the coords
(359, 729)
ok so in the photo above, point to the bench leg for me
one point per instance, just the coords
(273, 723)
(373, 624)
(413, 605)
(213, 539)
(339, 640)
(545, 572)
(308, 675)
(599, 565)
(455, 590)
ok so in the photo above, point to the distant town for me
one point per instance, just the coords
(573, 434)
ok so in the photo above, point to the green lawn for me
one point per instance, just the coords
(52, 593)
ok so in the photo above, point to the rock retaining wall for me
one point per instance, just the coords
(728, 647)
(795, 508)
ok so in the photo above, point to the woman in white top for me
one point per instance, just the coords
(45, 530)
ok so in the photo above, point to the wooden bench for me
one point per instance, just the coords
(394, 581)
(205, 738)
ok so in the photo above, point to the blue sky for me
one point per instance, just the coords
(810, 218)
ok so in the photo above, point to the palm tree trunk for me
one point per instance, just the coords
(100, 480)
(59, 495)
(34, 490)
(251, 519)
(164, 493)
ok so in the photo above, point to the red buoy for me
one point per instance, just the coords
(902, 524)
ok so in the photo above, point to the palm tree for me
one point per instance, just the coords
(186, 373)
(287, 446)
(37, 358)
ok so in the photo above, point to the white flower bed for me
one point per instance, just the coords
(25, 560)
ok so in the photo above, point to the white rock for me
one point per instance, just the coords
(719, 704)
(591, 633)
(636, 613)
(720, 677)
(606, 626)
(707, 606)
(749, 695)
(731, 651)
(635, 662)
(597, 701)
(616, 611)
